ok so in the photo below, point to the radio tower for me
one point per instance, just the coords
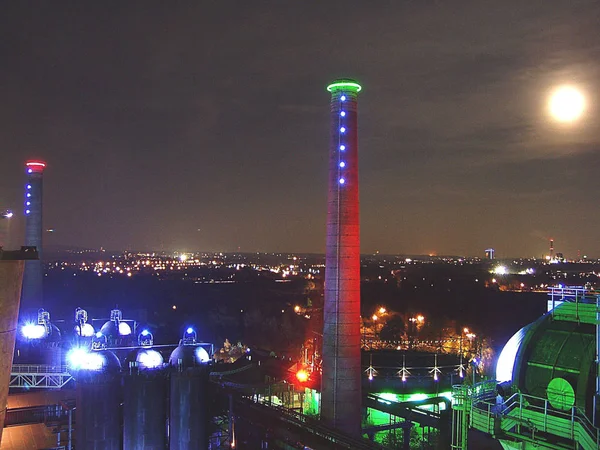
(341, 381)
(32, 296)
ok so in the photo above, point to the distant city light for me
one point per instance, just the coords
(500, 270)
(183, 257)
(33, 331)
(174, 306)
(382, 310)
(374, 317)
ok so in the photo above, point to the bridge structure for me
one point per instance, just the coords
(39, 376)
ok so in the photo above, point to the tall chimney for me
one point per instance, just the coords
(341, 381)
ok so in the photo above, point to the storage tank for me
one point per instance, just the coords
(145, 401)
(98, 413)
(554, 355)
(188, 412)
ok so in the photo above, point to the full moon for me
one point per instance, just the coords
(566, 104)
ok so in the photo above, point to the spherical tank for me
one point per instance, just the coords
(145, 402)
(98, 413)
(551, 353)
(188, 412)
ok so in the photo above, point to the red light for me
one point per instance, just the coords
(36, 166)
(302, 376)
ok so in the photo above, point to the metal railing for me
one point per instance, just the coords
(33, 376)
(534, 413)
(38, 368)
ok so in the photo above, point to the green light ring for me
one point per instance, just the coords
(344, 85)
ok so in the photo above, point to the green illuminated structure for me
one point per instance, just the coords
(344, 85)
(548, 370)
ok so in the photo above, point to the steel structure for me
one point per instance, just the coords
(39, 376)
(524, 420)
(32, 296)
(341, 382)
(549, 374)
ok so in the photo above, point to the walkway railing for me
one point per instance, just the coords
(524, 416)
(39, 376)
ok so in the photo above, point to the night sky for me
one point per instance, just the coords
(205, 126)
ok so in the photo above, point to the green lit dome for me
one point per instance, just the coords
(551, 358)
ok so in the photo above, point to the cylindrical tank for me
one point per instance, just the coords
(188, 412)
(98, 414)
(145, 402)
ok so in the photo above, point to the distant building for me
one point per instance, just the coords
(489, 253)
